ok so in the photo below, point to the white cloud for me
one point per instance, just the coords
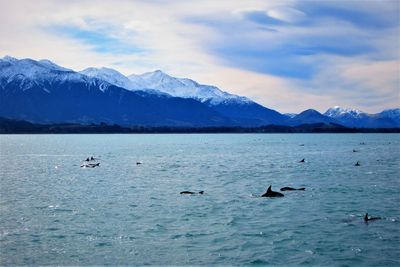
(287, 14)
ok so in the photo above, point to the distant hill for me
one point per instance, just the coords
(310, 116)
(11, 126)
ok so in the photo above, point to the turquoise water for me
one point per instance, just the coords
(55, 213)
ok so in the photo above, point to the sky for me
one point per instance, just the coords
(286, 55)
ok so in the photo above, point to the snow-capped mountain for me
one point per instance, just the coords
(240, 110)
(183, 87)
(30, 73)
(109, 75)
(356, 118)
(338, 112)
(28, 68)
(42, 92)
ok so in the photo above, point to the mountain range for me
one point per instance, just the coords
(43, 92)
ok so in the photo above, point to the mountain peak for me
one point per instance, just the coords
(9, 59)
(310, 111)
(51, 65)
(156, 75)
(337, 112)
(109, 75)
(103, 70)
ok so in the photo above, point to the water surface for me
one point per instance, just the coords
(55, 213)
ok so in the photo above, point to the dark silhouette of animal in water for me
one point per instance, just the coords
(291, 188)
(139, 162)
(271, 193)
(191, 193)
(90, 165)
(357, 164)
(303, 160)
(367, 218)
(355, 150)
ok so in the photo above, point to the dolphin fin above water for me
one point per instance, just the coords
(368, 218)
(271, 193)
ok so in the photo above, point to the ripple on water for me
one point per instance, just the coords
(135, 214)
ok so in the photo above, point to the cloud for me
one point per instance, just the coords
(286, 49)
(363, 14)
(287, 14)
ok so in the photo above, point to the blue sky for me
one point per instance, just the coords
(287, 55)
(99, 39)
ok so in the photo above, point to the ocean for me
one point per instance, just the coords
(53, 212)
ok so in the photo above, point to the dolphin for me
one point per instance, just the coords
(191, 193)
(303, 160)
(357, 164)
(367, 218)
(291, 188)
(271, 193)
(90, 165)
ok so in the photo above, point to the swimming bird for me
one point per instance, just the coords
(367, 218)
(303, 160)
(191, 193)
(271, 193)
(291, 188)
(357, 164)
(138, 162)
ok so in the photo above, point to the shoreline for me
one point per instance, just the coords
(9, 126)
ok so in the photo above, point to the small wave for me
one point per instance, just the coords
(63, 210)
(103, 244)
(258, 262)
(59, 236)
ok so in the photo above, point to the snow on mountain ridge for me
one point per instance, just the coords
(184, 87)
(156, 82)
(338, 112)
(109, 75)
(52, 65)
(30, 72)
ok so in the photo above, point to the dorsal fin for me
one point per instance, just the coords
(269, 189)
